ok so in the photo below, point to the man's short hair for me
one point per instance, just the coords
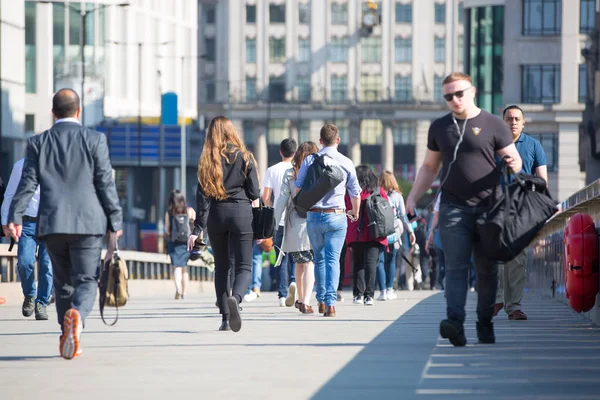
(329, 134)
(65, 103)
(512, 107)
(457, 76)
(288, 147)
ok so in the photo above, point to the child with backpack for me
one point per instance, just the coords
(179, 219)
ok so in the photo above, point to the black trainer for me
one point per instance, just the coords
(454, 332)
(225, 326)
(28, 306)
(485, 332)
(40, 312)
(235, 319)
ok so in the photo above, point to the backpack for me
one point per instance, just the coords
(180, 228)
(513, 221)
(322, 176)
(380, 213)
(113, 285)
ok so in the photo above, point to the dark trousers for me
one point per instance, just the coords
(342, 268)
(366, 257)
(75, 261)
(231, 237)
(287, 269)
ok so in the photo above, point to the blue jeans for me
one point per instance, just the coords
(327, 234)
(457, 233)
(26, 265)
(386, 269)
(256, 267)
(287, 267)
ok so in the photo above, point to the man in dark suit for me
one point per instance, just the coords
(78, 205)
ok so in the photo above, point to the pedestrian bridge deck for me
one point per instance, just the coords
(162, 348)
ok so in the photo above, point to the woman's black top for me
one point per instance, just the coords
(241, 185)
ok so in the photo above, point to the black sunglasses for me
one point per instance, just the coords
(459, 94)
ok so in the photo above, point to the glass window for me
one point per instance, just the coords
(277, 89)
(303, 50)
(276, 49)
(209, 92)
(370, 48)
(404, 132)
(250, 89)
(582, 83)
(303, 84)
(371, 86)
(338, 50)
(461, 48)
(248, 131)
(403, 13)
(210, 49)
(30, 59)
(339, 88)
(303, 131)
(250, 13)
(371, 131)
(304, 13)
(403, 88)
(440, 13)
(542, 17)
(586, 16)
(58, 24)
(339, 14)
(101, 25)
(209, 12)
(250, 50)
(277, 131)
(461, 13)
(439, 50)
(403, 49)
(541, 84)
(549, 143)
(438, 93)
(74, 24)
(89, 25)
(29, 123)
(277, 13)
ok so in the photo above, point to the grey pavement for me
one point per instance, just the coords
(167, 349)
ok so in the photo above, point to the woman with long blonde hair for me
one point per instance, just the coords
(227, 185)
(295, 237)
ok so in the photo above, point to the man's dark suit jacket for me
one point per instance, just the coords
(77, 193)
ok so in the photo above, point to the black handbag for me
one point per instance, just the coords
(263, 221)
(514, 219)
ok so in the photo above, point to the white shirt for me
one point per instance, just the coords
(274, 179)
(58, 121)
(11, 189)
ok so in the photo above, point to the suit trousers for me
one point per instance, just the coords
(75, 262)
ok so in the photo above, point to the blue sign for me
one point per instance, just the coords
(169, 108)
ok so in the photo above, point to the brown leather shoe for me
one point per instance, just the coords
(329, 311)
(306, 309)
(517, 315)
(321, 308)
(497, 308)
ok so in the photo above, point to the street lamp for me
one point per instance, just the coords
(83, 12)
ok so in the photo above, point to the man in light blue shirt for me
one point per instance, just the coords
(26, 251)
(326, 221)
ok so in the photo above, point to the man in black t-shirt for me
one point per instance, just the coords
(464, 143)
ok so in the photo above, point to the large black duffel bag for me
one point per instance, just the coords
(322, 176)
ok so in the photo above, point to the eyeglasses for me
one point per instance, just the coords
(459, 94)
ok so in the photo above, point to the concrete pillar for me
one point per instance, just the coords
(387, 147)
(421, 142)
(294, 130)
(570, 179)
(260, 148)
(354, 142)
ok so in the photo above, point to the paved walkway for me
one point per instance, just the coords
(167, 349)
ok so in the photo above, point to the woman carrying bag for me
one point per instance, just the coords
(227, 189)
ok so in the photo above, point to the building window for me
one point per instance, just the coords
(461, 13)
(549, 143)
(540, 84)
(338, 50)
(58, 39)
(542, 17)
(404, 132)
(251, 51)
(248, 132)
(209, 92)
(250, 14)
(250, 89)
(209, 13)
(371, 87)
(370, 48)
(209, 49)
(303, 50)
(586, 16)
(438, 93)
(403, 49)
(439, 50)
(74, 24)
(440, 13)
(277, 89)
(582, 83)
(403, 13)
(303, 131)
(460, 49)
(339, 14)
(371, 131)
(339, 88)
(304, 13)
(277, 13)
(277, 131)
(303, 84)
(403, 88)
(276, 49)
(29, 123)
(30, 59)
